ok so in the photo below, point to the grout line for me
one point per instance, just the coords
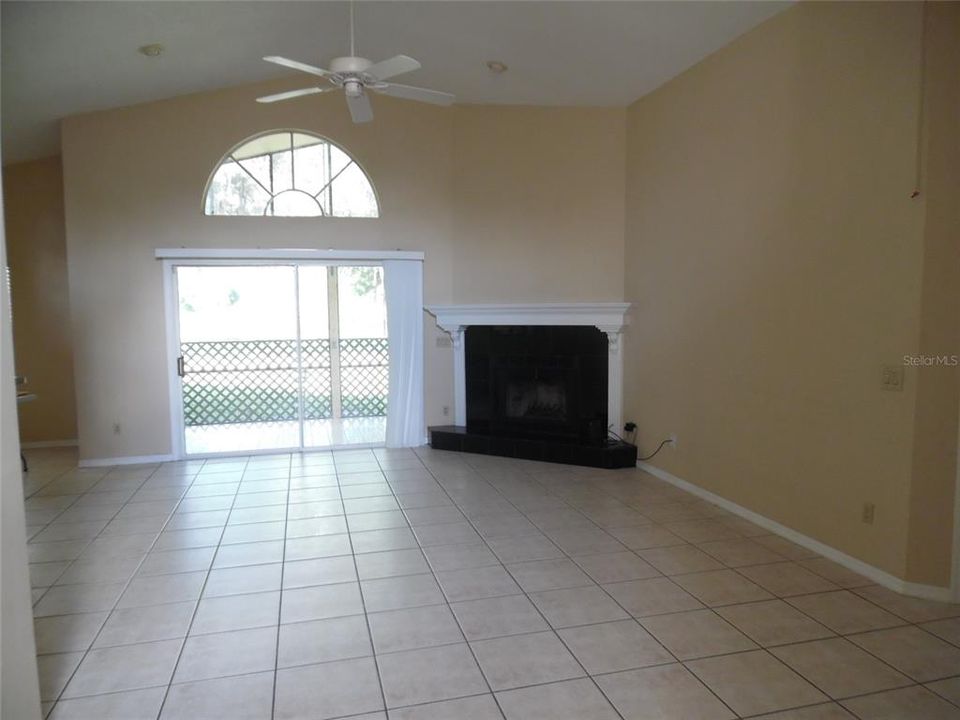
(707, 607)
(203, 587)
(465, 482)
(781, 598)
(529, 685)
(363, 600)
(88, 541)
(126, 584)
(526, 595)
(443, 594)
(283, 566)
(569, 558)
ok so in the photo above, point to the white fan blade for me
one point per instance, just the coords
(302, 67)
(394, 66)
(414, 93)
(293, 94)
(360, 109)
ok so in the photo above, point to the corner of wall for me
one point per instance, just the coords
(933, 540)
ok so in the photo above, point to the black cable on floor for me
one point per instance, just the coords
(659, 448)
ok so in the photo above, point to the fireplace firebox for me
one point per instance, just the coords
(537, 382)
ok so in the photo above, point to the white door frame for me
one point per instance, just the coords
(178, 257)
(955, 566)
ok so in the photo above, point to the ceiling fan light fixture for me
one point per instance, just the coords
(355, 75)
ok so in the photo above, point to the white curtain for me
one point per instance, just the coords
(403, 287)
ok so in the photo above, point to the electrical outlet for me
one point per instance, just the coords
(673, 440)
(868, 512)
(892, 378)
(116, 428)
(446, 411)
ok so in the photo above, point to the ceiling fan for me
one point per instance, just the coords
(355, 75)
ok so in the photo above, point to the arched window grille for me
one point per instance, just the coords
(290, 174)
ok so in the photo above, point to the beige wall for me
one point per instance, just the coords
(778, 263)
(134, 181)
(538, 198)
(37, 253)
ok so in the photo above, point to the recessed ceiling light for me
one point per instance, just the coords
(151, 50)
(496, 67)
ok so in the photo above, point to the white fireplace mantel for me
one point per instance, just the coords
(610, 318)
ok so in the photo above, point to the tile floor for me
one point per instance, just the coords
(416, 585)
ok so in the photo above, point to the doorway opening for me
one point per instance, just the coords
(276, 357)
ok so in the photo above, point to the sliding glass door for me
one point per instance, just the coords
(276, 357)
(350, 356)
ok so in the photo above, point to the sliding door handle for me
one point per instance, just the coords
(180, 370)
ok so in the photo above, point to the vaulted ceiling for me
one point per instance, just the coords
(63, 58)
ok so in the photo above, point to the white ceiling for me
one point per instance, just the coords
(63, 58)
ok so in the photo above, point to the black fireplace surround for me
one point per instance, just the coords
(536, 392)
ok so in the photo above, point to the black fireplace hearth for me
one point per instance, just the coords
(537, 392)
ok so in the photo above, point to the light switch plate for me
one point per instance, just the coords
(892, 379)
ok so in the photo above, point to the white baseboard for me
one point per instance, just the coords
(881, 577)
(926, 592)
(128, 460)
(48, 444)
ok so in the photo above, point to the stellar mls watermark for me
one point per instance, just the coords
(931, 360)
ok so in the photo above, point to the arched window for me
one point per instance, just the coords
(290, 174)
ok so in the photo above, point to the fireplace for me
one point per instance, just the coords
(535, 399)
(537, 382)
(541, 382)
